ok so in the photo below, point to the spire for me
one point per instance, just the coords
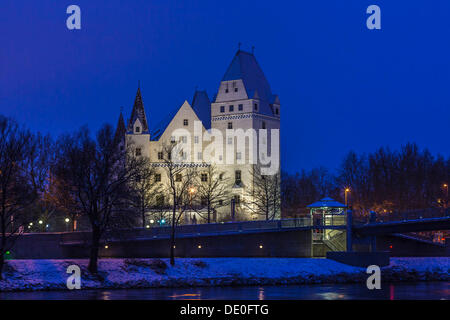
(138, 112)
(120, 130)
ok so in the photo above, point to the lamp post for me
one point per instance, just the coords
(347, 190)
(67, 220)
(445, 186)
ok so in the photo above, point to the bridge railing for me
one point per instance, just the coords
(413, 215)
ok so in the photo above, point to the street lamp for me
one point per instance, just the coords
(347, 190)
(445, 186)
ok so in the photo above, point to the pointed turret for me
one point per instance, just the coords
(119, 136)
(138, 113)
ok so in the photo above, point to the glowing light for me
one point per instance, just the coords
(152, 221)
(199, 246)
(67, 220)
(191, 190)
(260, 246)
(31, 223)
(41, 222)
(147, 226)
(106, 247)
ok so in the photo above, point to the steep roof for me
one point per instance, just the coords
(120, 130)
(202, 107)
(245, 67)
(138, 112)
(158, 129)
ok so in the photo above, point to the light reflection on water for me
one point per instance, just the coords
(394, 291)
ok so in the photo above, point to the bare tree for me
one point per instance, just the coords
(264, 194)
(144, 190)
(212, 189)
(21, 177)
(180, 179)
(98, 173)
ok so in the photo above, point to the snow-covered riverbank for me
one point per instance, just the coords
(147, 273)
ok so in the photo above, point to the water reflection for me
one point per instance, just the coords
(394, 291)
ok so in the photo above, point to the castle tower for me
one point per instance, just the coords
(137, 130)
(244, 101)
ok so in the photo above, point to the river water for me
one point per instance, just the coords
(393, 291)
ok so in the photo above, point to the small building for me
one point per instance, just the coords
(327, 212)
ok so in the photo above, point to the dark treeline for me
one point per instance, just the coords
(384, 181)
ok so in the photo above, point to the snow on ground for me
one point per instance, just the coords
(147, 273)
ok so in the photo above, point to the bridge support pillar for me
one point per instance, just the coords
(373, 239)
(349, 230)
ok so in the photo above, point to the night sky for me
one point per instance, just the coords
(342, 87)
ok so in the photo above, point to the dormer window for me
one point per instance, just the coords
(226, 90)
(235, 89)
(138, 129)
(256, 107)
(277, 111)
(185, 122)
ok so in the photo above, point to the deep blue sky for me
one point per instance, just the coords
(341, 85)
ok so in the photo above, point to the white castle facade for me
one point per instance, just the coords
(235, 132)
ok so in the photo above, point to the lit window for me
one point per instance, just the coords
(230, 125)
(185, 122)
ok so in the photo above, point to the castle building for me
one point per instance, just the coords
(234, 133)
